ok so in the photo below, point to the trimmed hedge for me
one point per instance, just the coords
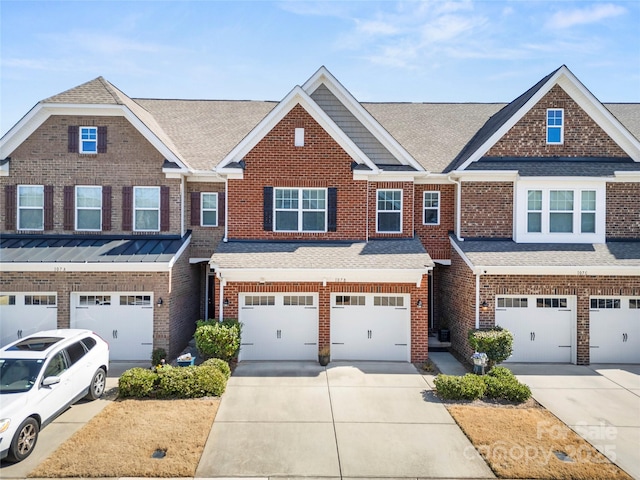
(496, 342)
(174, 382)
(220, 365)
(218, 339)
(499, 383)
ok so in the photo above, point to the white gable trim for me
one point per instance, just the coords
(297, 96)
(323, 76)
(42, 111)
(585, 99)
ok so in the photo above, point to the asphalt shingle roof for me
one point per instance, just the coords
(506, 253)
(88, 249)
(545, 167)
(375, 254)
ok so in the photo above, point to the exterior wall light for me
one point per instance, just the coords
(160, 302)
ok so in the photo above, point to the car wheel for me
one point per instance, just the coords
(98, 384)
(24, 440)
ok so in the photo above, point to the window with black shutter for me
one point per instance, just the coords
(332, 209)
(73, 132)
(127, 204)
(48, 207)
(10, 207)
(102, 139)
(164, 209)
(195, 209)
(221, 209)
(106, 208)
(69, 207)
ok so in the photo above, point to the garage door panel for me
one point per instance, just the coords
(24, 313)
(279, 327)
(124, 320)
(614, 329)
(370, 327)
(542, 327)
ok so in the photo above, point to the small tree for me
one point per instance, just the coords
(496, 342)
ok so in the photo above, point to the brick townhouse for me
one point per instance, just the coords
(322, 221)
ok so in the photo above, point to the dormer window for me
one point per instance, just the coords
(555, 126)
(89, 140)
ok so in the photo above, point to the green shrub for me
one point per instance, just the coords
(467, 387)
(158, 355)
(220, 365)
(218, 339)
(191, 382)
(137, 382)
(501, 383)
(496, 342)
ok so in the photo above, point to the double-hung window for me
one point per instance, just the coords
(588, 211)
(300, 209)
(88, 139)
(555, 126)
(431, 205)
(88, 208)
(389, 211)
(561, 211)
(146, 209)
(209, 209)
(30, 207)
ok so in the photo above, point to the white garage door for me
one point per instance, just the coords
(22, 314)
(279, 326)
(542, 327)
(370, 327)
(614, 330)
(124, 320)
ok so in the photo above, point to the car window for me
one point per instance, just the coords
(75, 351)
(56, 366)
(18, 375)
(89, 342)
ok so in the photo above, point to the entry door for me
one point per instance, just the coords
(22, 314)
(614, 329)
(124, 320)
(370, 327)
(542, 327)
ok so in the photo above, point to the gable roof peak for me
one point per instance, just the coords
(96, 91)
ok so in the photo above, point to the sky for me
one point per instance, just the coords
(407, 51)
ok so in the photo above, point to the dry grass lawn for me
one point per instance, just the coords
(520, 443)
(120, 441)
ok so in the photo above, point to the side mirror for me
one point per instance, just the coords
(47, 382)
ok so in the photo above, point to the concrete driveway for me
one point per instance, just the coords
(366, 419)
(600, 402)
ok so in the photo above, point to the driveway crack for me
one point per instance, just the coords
(333, 421)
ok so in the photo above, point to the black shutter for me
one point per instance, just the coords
(102, 139)
(195, 209)
(164, 209)
(106, 208)
(48, 207)
(268, 209)
(10, 207)
(221, 209)
(332, 209)
(69, 207)
(127, 204)
(73, 132)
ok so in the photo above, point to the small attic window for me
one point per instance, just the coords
(555, 126)
(88, 139)
(299, 137)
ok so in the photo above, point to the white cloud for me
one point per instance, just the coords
(591, 14)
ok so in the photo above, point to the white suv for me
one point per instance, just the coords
(40, 376)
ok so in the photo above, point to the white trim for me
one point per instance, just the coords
(464, 257)
(383, 176)
(202, 210)
(400, 212)
(80, 140)
(364, 275)
(19, 208)
(76, 208)
(572, 270)
(488, 175)
(146, 209)
(297, 96)
(179, 253)
(585, 99)
(424, 192)
(300, 211)
(561, 126)
(323, 76)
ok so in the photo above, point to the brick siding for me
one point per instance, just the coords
(130, 160)
(435, 238)
(623, 210)
(487, 210)
(419, 316)
(582, 136)
(459, 303)
(203, 239)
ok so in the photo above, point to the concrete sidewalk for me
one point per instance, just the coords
(362, 419)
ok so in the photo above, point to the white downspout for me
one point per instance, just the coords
(367, 214)
(458, 205)
(477, 301)
(184, 205)
(223, 282)
(226, 210)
